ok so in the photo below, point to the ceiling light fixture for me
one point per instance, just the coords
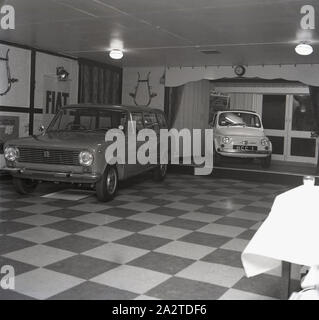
(304, 49)
(116, 54)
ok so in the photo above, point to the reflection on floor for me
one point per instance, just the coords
(278, 167)
(181, 239)
(290, 173)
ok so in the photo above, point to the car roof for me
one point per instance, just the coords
(114, 107)
(237, 110)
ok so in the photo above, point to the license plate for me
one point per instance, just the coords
(245, 148)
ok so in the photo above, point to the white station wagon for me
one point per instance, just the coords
(240, 134)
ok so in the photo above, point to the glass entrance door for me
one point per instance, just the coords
(288, 122)
(301, 146)
(274, 117)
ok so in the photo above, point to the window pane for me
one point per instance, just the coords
(277, 144)
(302, 117)
(161, 120)
(303, 147)
(274, 110)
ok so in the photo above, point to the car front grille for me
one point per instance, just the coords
(49, 156)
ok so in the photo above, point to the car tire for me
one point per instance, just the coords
(107, 187)
(266, 162)
(160, 172)
(216, 158)
(24, 186)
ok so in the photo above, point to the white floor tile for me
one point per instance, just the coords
(39, 234)
(39, 255)
(131, 278)
(96, 218)
(166, 232)
(217, 274)
(105, 233)
(116, 253)
(185, 250)
(43, 284)
(222, 230)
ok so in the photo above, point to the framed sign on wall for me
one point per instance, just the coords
(217, 102)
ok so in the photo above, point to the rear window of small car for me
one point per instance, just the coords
(150, 122)
(161, 120)
(138, 118)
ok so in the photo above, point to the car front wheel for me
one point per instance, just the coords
(107, 187)
(24, 186)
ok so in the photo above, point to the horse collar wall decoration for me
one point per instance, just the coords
(149, 92)
(10, 80)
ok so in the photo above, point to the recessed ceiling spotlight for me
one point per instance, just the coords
(304, 49)
(116, 54)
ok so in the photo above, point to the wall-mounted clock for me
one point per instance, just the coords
(240, 70)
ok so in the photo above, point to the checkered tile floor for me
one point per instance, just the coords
(180, 239)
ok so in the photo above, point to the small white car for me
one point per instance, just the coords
(240, 134)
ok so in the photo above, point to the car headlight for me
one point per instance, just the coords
(225, 140)
(86, 158)
(11, 153)
(264, 142)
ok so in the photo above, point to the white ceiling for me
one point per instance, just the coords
(166, 32)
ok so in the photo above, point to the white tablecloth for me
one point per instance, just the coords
(290, 233)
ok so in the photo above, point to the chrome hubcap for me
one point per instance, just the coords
(111, 181)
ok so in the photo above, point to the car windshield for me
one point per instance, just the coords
(87, 119)
(245, 119)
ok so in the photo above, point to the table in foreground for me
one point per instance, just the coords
(288, 235)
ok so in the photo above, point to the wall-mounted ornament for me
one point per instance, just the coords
(149, 94)
(62, 74)
(9, 78)
(240, 70)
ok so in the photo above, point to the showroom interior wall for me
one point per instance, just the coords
(49, 91)
(15, 104)
(27, 99)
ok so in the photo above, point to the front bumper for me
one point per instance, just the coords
(244, 154)
(67, 177)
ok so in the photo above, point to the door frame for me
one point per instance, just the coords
(287, 133)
